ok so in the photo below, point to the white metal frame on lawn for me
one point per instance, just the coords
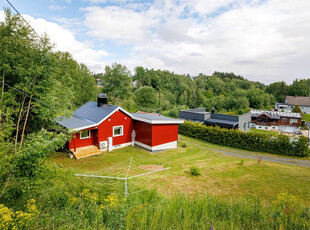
(126, 178)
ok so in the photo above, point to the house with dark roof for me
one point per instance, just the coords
(276, 120)
(108, 127)
(291, 101)
(241, 122)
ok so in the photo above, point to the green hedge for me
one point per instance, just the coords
(282, 145)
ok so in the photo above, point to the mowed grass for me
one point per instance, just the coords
(273, 133)
(223, 175)
(306, 117)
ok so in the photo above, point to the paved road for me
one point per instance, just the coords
(284, 160)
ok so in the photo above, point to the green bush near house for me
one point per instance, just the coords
(282, 145)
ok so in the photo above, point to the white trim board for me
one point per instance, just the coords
(174, 121)
(169, 145)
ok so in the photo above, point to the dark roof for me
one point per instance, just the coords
(221, 122)
(73, 122)
(90, 111)
(274, 114)
(155, 119)
(295, 100)
(87, 115)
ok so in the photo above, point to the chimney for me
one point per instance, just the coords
(213, 110)
(102, 99)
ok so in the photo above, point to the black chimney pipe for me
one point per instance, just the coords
(213, 110)
(102, 99)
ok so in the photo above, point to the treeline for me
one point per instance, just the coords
(166, 92)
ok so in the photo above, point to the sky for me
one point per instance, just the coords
(261, 40)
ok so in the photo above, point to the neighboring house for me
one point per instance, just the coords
(284, 121)
(110, 127)
(99, 82)
(241, 122)
(291, 101)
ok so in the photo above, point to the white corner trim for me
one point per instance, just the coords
(169, 145)
(174, 121)
(109, 115)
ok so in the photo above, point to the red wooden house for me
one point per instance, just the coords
(107, 127)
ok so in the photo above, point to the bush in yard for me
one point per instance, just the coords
(283, 145)
(195, 171)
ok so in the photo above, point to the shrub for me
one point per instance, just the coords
(182, 144)
(283, 145)
(195, 171)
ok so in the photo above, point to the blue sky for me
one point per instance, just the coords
(264, 40)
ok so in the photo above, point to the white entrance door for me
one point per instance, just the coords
(110, 143)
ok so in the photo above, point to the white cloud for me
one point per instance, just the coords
(56, 7)
(266, 41)
(116, 23)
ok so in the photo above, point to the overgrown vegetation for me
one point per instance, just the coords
(283, 145)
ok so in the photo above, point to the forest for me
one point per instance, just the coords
(166, 92)
(39, 84)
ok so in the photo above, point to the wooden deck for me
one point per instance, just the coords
(87, 151)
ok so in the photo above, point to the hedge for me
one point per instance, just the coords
(283, 145)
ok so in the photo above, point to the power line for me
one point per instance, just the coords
(28, 95)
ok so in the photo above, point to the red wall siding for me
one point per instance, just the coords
(105, 129)
(143, 132)
(77, 142)
(164, 134)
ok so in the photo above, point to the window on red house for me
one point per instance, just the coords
(85, 134)
(117, 131)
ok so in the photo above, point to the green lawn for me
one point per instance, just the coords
(222, 175)
(306, 117)
(273, 133)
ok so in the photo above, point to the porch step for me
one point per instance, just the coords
(87, 151)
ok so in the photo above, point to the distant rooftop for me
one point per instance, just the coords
(275, 114)
(155, 119)
(296, 100)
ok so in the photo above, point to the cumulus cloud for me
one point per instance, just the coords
(262, 40)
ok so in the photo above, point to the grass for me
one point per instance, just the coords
(273, 133)
(306, 117)
(221, 176)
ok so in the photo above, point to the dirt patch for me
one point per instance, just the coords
(151, 167)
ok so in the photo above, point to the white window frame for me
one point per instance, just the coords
(284, 119)
(292, 121)
(85, 137)
(122, 130)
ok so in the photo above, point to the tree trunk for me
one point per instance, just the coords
(2, 97)
(27, 114)
(18, 121)
(25, 123)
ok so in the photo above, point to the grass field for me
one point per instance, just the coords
(223, 176)
(273, 133)
(306, 117)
